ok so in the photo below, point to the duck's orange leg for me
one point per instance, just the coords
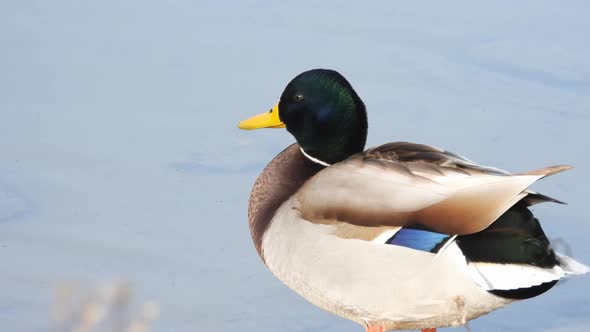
(380, 328)
(375, 328)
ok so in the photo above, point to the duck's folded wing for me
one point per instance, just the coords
(400, 184)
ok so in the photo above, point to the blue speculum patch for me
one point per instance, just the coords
(418, 239)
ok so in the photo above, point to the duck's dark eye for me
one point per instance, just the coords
(298, 97)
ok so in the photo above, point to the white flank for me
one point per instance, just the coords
(498, 276)
(446, 245)
(368, 281)
(383, 237)
(571, 266)
(492, 276)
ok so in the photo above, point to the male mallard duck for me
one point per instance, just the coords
(400, 236)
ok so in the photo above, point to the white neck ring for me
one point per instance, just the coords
(315, 160)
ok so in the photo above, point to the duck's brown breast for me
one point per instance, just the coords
(280, 179)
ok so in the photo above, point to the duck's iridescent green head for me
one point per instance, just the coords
(321, 109)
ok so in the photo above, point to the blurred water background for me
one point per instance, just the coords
(120, 158)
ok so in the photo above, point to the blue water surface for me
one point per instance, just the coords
(120, 158)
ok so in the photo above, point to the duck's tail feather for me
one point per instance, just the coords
(548, 171)
(533, 198)
(570, 266)
(513, 258)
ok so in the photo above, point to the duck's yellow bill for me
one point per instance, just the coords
(269, 119)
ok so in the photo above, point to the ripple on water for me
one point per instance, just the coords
(12, 204)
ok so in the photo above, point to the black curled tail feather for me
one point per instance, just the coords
(516, 237)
